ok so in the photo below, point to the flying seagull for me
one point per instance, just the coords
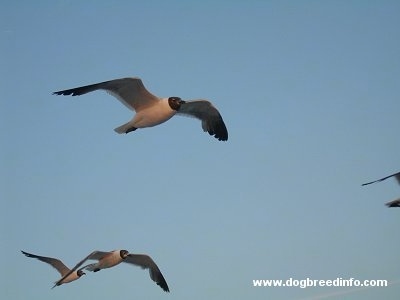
(394, 203)
(67, 274)
(113, 258)
(152, 110)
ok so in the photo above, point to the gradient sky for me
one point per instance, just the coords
(309, 91)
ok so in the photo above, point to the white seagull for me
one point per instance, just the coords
(394, 203)
(67, 274)
(152, 110)
(113, 258)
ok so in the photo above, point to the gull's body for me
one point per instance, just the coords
(152, 110)
(113, 258)
(66, 274)
(394, 203)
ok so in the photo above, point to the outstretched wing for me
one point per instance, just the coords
(396, 175)
(211, 120)
(94, 255)
(130, 91)
(146, 262)
(54, 262)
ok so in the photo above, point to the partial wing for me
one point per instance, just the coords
(130, 91)
(396, 175)
(146, 262)
(94, 255)
(394, 203)
(211, 120)
(54, 262)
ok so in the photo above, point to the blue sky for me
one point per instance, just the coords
(309, 91)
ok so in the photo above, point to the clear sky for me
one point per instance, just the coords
(310, 93)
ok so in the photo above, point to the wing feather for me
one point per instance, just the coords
(130, 91)
(396, 175)
(54, 262)
(146, 262)
(211, 119)
(394, 203)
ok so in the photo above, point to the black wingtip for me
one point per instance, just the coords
(162, 283)
(368, 183)
(65, 93)
(220, 132)
(164, 286)
(396, 175)
(220, 136)
(223, 138)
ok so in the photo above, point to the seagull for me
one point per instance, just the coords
(113, 258)
(152, 110)
(67, 274)
(394, 203)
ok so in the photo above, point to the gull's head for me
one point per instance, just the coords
(124, 253)
(175, 103)
(80, 273)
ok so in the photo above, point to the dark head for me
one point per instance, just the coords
(175, 103)
(124, 253)
(80, 273)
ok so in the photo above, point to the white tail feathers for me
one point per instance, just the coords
(121, 129)
(124, 128)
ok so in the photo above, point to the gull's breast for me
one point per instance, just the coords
(154, 115)
(71, 277)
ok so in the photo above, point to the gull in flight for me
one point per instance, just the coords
(394, 203)
(152, 110)
(113, 258)
(67, 274)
